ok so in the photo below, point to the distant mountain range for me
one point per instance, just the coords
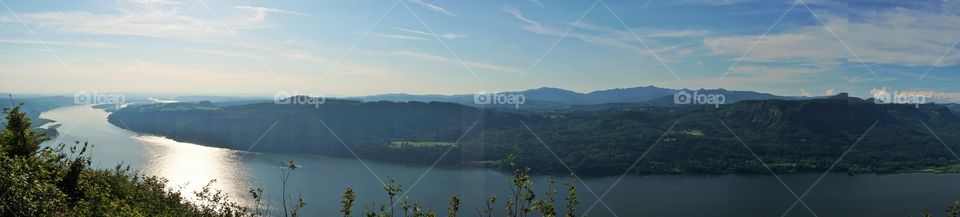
(34, 105)
(534, 98)
(548, 96)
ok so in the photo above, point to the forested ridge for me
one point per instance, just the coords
(789, 135)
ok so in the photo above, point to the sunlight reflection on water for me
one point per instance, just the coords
(190, 166)
(186, 166)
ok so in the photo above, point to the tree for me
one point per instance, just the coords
(17, 138)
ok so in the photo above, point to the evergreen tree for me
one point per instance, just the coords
(17, 138)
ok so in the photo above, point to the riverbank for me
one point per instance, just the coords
(323, 179)
(606, 142)
(499, 165)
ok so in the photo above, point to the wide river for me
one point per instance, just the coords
(321, 180)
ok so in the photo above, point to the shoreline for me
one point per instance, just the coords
(493, 165)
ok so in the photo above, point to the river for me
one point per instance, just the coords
(322, 179)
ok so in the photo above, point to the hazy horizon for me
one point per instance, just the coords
(272, 94)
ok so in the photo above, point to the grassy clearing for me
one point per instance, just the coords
(420, 144)
(953, 168)
(693, 132)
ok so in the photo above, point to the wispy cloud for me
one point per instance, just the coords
(677, 33)
(141, 18)
(219, 52)
(94, 44)
(476, 65)
(448, 36)
(262, 11)
(622, 38)
(285, 51)
(902, 37)
(810, 44)
(396, 36)
(830, 92)
(711, 2)
(288, 50)
(867, 78)
(530, 24)
(157, 2)
(774, 79)
(412, 31)
(434, 8)
(150, 24)
(149, 18)
(452, 36)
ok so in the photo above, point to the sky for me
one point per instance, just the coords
(365, 47)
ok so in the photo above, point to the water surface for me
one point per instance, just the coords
(321, 180)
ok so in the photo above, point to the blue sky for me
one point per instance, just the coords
(362, 47)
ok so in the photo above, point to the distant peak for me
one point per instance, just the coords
(841, 95)
(547, 88)
(551, 89)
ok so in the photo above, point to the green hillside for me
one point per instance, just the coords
(789, 135)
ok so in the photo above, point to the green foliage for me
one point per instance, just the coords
(392, 189)
(952, 210)
(572, 200)
(294, 211)
(50, 184)
(546, 206)
(454, 206)
(215, 201)
(489, 206)
(348, 198)
(257, 195)
(17, 138)
(290, 207)
(522, 194)
(70, 184)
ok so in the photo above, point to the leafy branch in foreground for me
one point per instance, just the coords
(286, 200)
(952, 210)
(521, 202)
